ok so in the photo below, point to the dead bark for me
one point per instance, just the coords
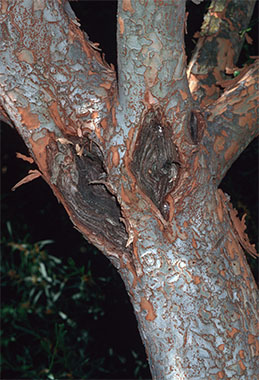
(137, 170)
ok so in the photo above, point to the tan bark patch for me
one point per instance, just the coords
(147, 305)
(196, 280)
(39, 150)
(194, 244)
(121, 25)
(114, 120)
(95, 114)
(233, 332)
(106, 85)
(184, 95)
(31, 120)
(53, 109)
(241, 365)
(115, 156)
(127, 7)
(221, 347)
(104, 123)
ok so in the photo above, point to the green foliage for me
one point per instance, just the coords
(43, 304)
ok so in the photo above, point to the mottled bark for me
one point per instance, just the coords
(218, 47)
(137, 170)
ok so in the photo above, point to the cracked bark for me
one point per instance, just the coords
(137, 166)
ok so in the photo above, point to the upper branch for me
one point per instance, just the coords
(151, 55)
(232, 123)
(218, 47)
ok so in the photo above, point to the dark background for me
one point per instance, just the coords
(34, 212)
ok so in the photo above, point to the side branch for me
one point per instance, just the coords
(218, 47)
(232, 123)
(60, 95)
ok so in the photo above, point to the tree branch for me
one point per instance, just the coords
(60, 95)
(232, 123)
(218, 47)
(151, 56)
(150, 48)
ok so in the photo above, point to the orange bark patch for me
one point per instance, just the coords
(127, 7)
(53, 109)
(242, 354)
(194, 244)
(124, 195)
(196, 163)
(121, 25)
(147, 305)
(221, 347)
(29, 119)
(219, 144)
(170, 200)
(104, 123)
(183, 94)
(106, 85)
(231, 151)
(233, 332)
(114, 120)
(30, 177)
(241, 365)
(39, 150)
(115, 156)
(25, 158)
(221, 375)
(196, 280)
(129, 139)
(98, 134)
(95, 115)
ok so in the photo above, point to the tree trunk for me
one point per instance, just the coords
(137, 166)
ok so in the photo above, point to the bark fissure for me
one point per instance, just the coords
(80, 175)
(155, 162)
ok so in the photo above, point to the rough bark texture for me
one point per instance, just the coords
(137, 168)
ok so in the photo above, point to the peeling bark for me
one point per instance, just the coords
(137, 166)
(218, 47)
